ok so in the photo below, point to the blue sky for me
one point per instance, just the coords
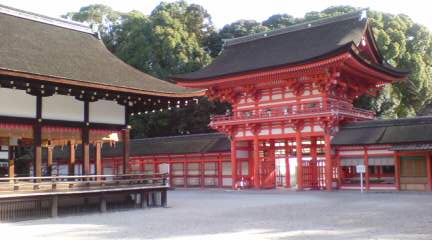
(227, 11)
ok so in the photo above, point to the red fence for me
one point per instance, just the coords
(186, 170)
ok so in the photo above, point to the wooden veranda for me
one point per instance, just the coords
(25, 198)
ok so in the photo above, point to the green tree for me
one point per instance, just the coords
(405, 45)
(279, 21)
(103, 17)
(236, 29)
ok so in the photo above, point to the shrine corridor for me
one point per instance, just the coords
(227, 214)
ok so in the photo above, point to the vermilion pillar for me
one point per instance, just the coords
(429, 171)
(287, 166)
(256, 162)
(233, 162)
(366, 163)
(397, 171)
(313, 163)
(299, 161)
(328, 163)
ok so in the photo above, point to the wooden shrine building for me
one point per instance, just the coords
(60, 86)
(292, 92)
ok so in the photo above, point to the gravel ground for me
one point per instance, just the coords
(272, 214)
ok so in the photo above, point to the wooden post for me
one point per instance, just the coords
(71, 163)
(144, 199)
(50, 160)
(328, 163)
(299, 154)
(11, 153)
(366, 163)
(103, 204)
(397, 171)
(86, 158)
(126, 150)
(164, 198)
(429, 171)
(37, 135)
(98, 158)
(37, 171)
(256, 162)
(233, 162)
(54, 206)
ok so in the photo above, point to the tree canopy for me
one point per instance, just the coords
(178, 37)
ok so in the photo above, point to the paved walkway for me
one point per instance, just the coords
(273, 214)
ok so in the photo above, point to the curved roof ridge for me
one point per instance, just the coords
(179, 136)
(390, 122)
(59, 22)
(295, 27)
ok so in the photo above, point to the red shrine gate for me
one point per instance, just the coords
(290, 91)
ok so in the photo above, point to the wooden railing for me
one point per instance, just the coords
(56, 183)
(303, 110)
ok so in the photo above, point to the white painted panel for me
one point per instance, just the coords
(60, 107)
(277, 96)
(248, 133)
(318, 129)
(315, 91)
(17, 103)
(344, 153)
(289, 130)
(277, 131)
(315, 99)
(307, 92)
(289, 95)
(351, 161)
(265, 98)
(264, 132)
(4, 155)
(239, 134)
(104, 111)
(381, 161)
(307, 129)
(242, 153)
(380, 151)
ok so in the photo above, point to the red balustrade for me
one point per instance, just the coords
(294, 111)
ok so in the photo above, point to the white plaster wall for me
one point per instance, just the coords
(277, 131)
(60, 107)
(17, 103)
(242, 154)
(104, 111)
